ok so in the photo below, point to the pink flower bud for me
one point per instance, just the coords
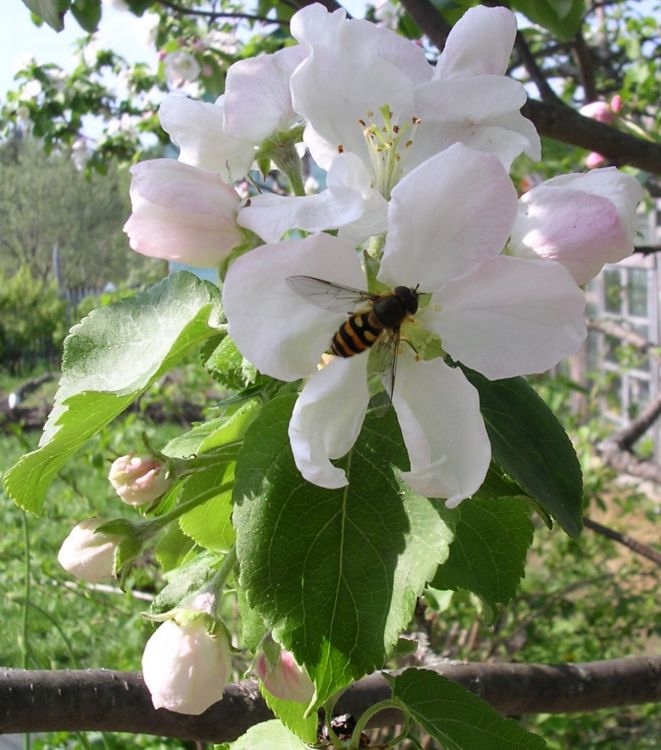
(185, 667)
(600, 111)
(89, 555)
(283, 677)
(138, 480)
(616, 104)
(594, 160)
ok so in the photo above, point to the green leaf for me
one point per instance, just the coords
(215, 433)
(110, 358)
(269, 735)
(253, 628)
(455, 717)
(562, 18)
(489, 550)
(334, 573)
(530, 444)
(189, 577)
(173, 547)
(229, 367)
(50, 11)
(291, 714)
(209, 524)
(87, 13)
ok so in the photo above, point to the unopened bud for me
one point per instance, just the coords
(139, 480)
(283, 677)
(88, 554)
(185, 667)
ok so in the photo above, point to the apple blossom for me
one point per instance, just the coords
(366, 90)
(281, 675)
(580, 220)
(257, 95)
(186, 667)
(89, 554)
(448, 222)
(197, 128)
(180, 68)
(182, 213)
(139, 480)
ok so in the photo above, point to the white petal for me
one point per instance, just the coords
(197, 128)
(509, 317)
(327, 419)
(257, 96)
(481, 112)
(182, 213)
(480, 42)
(439, 415)
(280, 332)
(448, 214)
(344, 79)
(349, 202)
(579, 230)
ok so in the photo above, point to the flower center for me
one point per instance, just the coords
(386, 140)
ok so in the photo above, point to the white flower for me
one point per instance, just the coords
(197, 128)
(579, 220)
(448, 222)
(366, 90)
(257, 95)
(181, 67)
(185, 667)
(88, 554)
(182, 213)
(31, 89)
(387, 13)
(80, 153)
(222, 41)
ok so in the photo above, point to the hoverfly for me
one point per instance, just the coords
(382, 314)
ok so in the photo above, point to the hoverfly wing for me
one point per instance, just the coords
(326, 294)
(388, 367)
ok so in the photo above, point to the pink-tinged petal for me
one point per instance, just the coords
(182, 213)
(257, 95)
(446, 216)
(594, 160)
(580, 230)
(480, 112)
(509, 316)
(344, 79)
(439, 415)
(197, 128)
(278, 330)
(327, 419)
(599, 111)
(349, 202)
(480, 43)
(623, 190)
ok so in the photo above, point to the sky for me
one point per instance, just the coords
(19, 38)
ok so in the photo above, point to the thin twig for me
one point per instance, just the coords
(633, 544)
(534, 71)
(583, 57)
(219, 14)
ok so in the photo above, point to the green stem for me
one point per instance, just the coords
(329, 707)
(365, 717)
(220, 578)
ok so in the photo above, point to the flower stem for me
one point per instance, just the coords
(166, 518)
(365, 717)
(222, 574)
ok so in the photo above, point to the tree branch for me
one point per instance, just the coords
(633, 544)
(583, 58)
(564, 124)
(534, 71)
(85, 700)
(213, 14)
(612, 328)
(429, 19)
(625, 438)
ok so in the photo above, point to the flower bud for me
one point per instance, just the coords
(87, 554)
(139, 480)
(185, 667)
(283, 677)
(600, 111)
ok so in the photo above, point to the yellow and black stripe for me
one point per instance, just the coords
(357, 334)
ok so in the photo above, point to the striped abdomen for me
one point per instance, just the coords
(357, 334)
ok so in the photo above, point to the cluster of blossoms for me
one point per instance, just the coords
(417, 195)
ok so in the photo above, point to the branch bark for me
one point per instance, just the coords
(633, 544)
(103, 700)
